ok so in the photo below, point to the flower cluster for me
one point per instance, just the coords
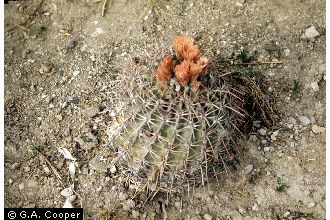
(189, 66)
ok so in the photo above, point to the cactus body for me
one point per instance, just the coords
(176, 135)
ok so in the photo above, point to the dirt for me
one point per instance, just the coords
(60, 57)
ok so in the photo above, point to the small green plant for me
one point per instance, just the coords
(280, 186)
(36, 149)
(297, 87)
(243, 56)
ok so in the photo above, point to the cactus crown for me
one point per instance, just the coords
(179, 129)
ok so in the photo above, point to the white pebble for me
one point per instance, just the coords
(304, 120)
(311, 205)
(255, 207)
(262, 131)
(286, 52)
(317, 129)
(315, 86)
(207, 217)
(46, 169)
(266, 149)
(75, 72)
(311, 32)
(248, 169)
(273, 136)
(241, 210)
(290, 126)
(177, 205)
(113, 169)
(286, 214)
(21, 186)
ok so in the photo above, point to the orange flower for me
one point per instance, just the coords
(196, 84)
(164, 71)
(182, 72)
(185, 48)
(167, 62)
(197, 68)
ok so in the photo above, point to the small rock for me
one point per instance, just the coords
(315, 86)
(311, 205)
(122, 196)
(262, 131)
(129, 204)
(255, 207)
(113, 169)
(286, 52)
(264, 142)
(75, 72)
(273, 136)
(72, 43)
(239, 4)
(286, 214)
(207, 217)
(59, 117)
(92, 57)
(160, 28)
(248, 169)
(135, 214)
(66, 192)
(83, 48)
(317, 129)
(311, 32)
(15, 166)
(21, 186)
(177, 205)
(267, 149)
(304, 120)
(92, 111)
(46, 169)
(241, 210)
(290, 126)
(10, 181)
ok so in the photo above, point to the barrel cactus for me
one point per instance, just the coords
(175, 127)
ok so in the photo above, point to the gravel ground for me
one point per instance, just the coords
(60, 57)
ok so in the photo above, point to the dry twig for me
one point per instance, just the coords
(103, 7)
(259, 63)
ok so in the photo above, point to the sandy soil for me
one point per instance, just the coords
(60, 56)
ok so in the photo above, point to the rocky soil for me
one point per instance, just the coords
(60, 57)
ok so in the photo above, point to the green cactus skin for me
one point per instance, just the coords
(174, 139)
